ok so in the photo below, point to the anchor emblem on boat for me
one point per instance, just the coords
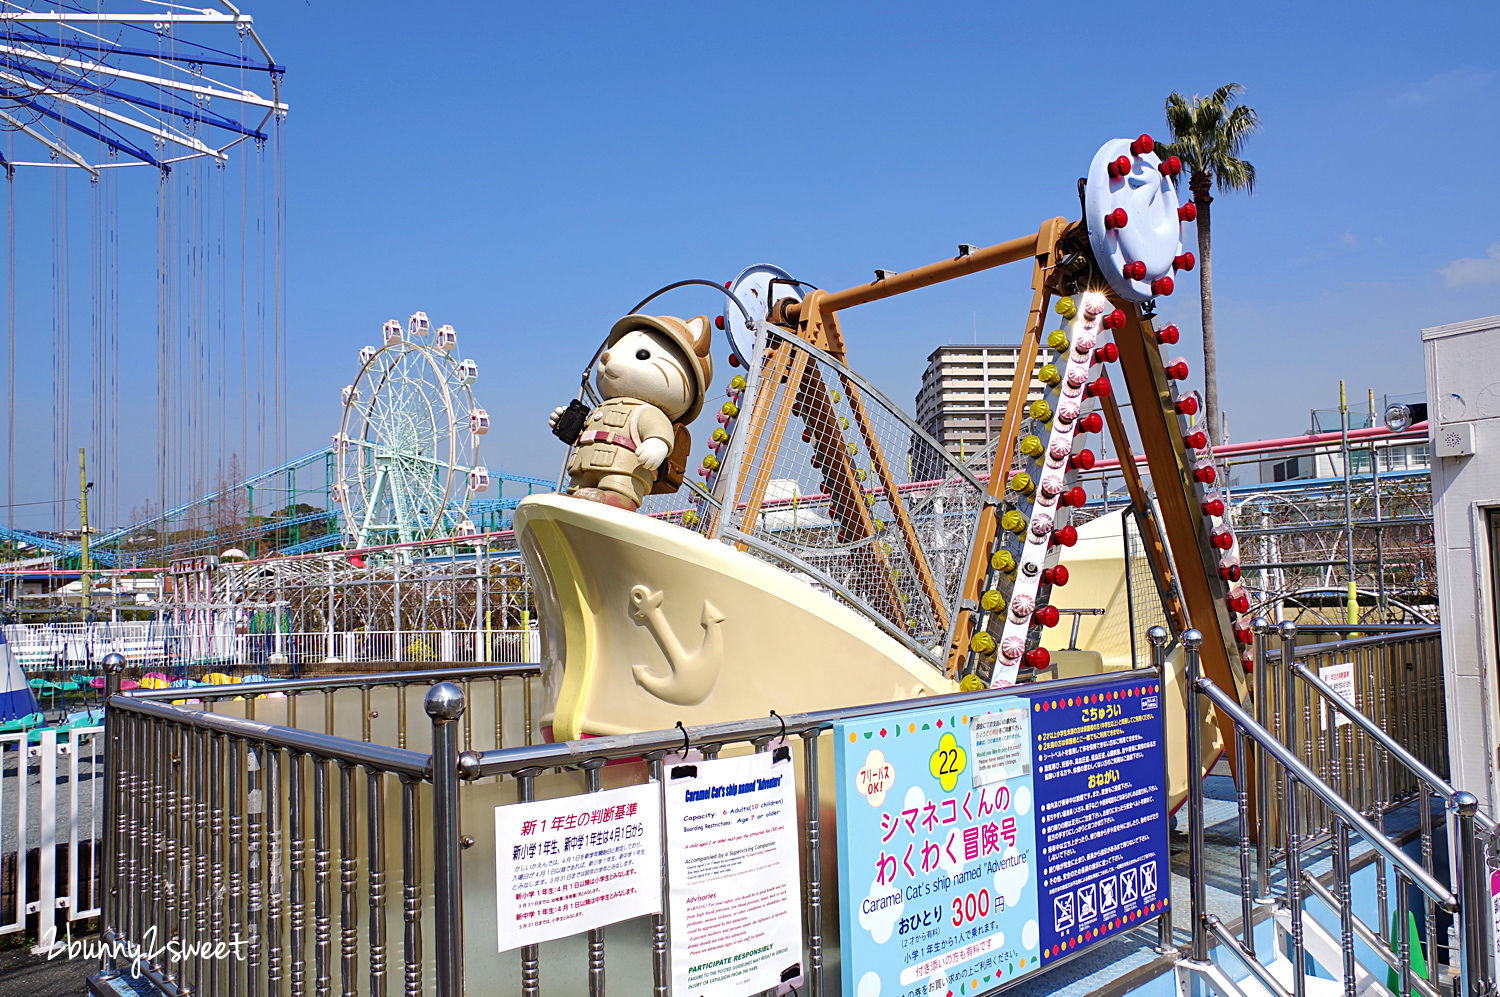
(693, 674)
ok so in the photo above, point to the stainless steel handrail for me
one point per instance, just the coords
(1349, 644)
(1406, 758)
(326, 683)
(573, 754)
(401, 761)
(1307, 777)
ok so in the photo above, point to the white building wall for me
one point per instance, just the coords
(1463, 387)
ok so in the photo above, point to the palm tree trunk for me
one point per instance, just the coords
(1202, 199)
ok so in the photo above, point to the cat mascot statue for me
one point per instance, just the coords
(653, 376)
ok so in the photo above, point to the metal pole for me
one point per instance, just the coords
(481, 603)
(114, 761)
(1474, 970)
(1353, 607)
(1165, 944)
(1262, 628)
(445, 704)
(1192, 641)
(1379, 533)
(328, 651)
(83, 533)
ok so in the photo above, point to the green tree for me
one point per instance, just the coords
(1208, 134)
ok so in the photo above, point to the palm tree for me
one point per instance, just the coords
(1208, 134)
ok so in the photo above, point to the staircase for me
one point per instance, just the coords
(1343, 893)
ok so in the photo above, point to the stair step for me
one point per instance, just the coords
(1328, 951)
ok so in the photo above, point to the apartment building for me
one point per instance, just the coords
(964, 390)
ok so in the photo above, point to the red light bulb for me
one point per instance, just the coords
(1074, 497)
(1240, 603)
(1229, 571)
(1038, 658)
(1188, 212)
(1108, 353)
(1162, 285)
(1223, 540)
(1243, 636)
(1184, 262)
(1119, 167)
(1047, 616)
(1056, 576)
(1135, 270)
(1098, 388)
(1142, 145)
(1168, 335)
(1091, 423)
(1197, 441)
(719, 322)
(728, 284)
(1204, 475)
(1171, 166)
(1116, 219)
(1083, 460)
(1187, 406)
(1067, 536)
(807, 436)
(1213, 507)
(1115, 320)
(734, 359)
(1177, 370)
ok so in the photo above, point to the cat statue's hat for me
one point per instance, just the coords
(695, 349)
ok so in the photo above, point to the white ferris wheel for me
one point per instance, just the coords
(407, 450)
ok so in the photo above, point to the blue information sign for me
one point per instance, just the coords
(978, 847)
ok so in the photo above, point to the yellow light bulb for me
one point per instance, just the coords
(1014, 522)
(992, 601)
(982, 643)
(1040, 410)
(1049, 375)
(1031, 446)
(1003, 561)
(1058, 340)
(1066, 308)
(1021, 484)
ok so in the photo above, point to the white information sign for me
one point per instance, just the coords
(567, 865)
(1341, 679)
(1001, 750)
(734, 875)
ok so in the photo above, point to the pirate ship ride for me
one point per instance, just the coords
(829, 551)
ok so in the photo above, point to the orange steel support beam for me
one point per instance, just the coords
(1187, 528)
(1156, 545)
(1044, 247)
(934, 273)
(768, 419)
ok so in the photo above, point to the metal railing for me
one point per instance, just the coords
(1390, 764)
(250, 836)
(59, 652)
(341, 865)
(1393, 679)
(1298, 787)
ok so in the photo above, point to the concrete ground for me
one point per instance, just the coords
(25, 975)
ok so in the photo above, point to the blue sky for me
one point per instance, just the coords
(528, 173)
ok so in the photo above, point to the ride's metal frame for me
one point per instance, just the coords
(1062, 264)
(81, 71)
(472, 583)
